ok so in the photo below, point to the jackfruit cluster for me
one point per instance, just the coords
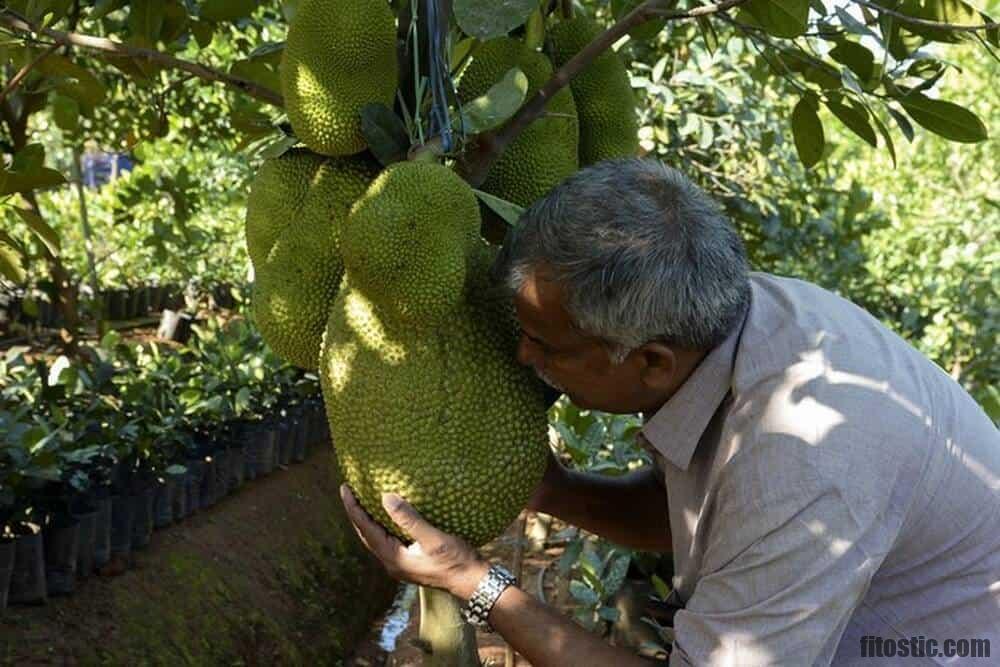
(603, 93)
(339, 56)
(296, 204)
(423, 393)
(545, 153)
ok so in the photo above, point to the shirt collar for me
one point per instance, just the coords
(676, 428)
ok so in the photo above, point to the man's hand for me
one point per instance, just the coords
(434, 559)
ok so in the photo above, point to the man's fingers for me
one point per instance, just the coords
(410, 521)
(374, 536)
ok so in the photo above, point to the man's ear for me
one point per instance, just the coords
(659, 365)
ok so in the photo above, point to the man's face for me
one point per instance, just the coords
(576, 364)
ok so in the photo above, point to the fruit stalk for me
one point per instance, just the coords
(447, 640)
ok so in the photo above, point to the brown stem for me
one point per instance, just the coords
(905, 18)
(23, 73)
(113, 49)
(491, 145)
(566, 8)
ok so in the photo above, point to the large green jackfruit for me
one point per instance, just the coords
(296, 206)
(429, 402)
(339, 56)
(546, 151)
(602, 91)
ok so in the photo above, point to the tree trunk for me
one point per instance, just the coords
(447, 640)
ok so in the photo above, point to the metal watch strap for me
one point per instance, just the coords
(477, 610)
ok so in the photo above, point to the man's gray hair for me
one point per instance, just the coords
(641, 254)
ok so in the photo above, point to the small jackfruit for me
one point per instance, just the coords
(543, 154)
(296, 206)
(429, 402)
(339, 56)
(602, 91)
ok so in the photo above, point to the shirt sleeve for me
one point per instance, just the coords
(790, 552)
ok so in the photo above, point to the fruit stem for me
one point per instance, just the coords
(447, 640)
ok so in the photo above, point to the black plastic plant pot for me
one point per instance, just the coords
(142, 526)
(88, 537)
(133, 303)
(221, 471)
(265, 464)
(237, 465)
(6, 569)
(298, 449)
(102, 533)
(208, 493)
(283, 453)
(118, 304)
(192, 484)
(163, 503)
(143, 300)
(107, 297)
(253, 439)
(27, 580)
(62, 547)
(122, 518)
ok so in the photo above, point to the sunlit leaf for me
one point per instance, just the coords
(486, 19)
(947, 119)
(496, 107)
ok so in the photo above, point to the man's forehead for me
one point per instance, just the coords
(539, 305)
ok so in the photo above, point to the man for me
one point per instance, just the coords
(820, 484)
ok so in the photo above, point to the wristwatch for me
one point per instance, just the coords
(490, 587)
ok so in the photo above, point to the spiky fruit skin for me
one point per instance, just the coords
(602, 91)
(407, 240)
(296, 206)
(339, 56)
(546, 151)
(435, 409)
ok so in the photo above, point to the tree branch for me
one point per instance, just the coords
(905, 18)
(112, 48)
(491, 145)
(16, 80)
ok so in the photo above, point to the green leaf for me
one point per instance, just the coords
(855, 118)
(509, 211)
(496, 107)
(11, 264)
(217, 11)
(858, 58)
(609, 614)
(781, 18)
(807, 130)
(583, 593)
(993, 34)
(385, 133)
(884, 131)
(66, 113)
(74, 81)
(903, 122)
(534, 30)
(41, 229)
(175, 21)
(645, 31)
(27, 172)
(202, 33)
(145, 19)
(954, 12)
(708, 33)
(660, 586)
(486, 19)
(460, 51)
(946, 119)
(105, 7)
